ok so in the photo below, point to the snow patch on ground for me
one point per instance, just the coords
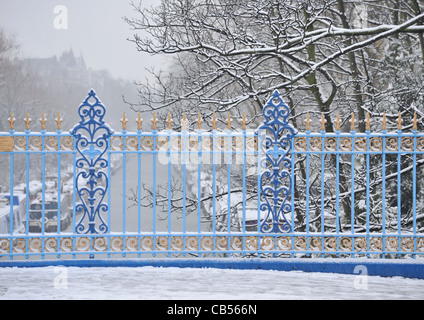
(150, 283)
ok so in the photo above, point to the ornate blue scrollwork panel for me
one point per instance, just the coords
(276, 135)
(91, 139)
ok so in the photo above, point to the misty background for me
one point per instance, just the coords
(51, 70)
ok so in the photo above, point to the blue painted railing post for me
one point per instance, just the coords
(276, 135)
(92, 141)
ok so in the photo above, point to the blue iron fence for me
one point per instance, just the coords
(273, 191)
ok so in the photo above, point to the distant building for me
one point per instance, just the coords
(67, 68)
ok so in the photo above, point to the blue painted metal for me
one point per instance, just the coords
(91, 136)
(310, 221)
(275, 183)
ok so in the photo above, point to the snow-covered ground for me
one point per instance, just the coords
(197, 284)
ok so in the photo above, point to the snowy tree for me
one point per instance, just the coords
(362, 57)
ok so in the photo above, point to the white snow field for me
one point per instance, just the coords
(152, 283)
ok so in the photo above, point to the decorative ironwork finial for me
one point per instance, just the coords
(368, 122)
(384, 122)
(323, 121)
(415, 122)
(124, 121)
(184, 122)
(139, 122)
(199, 121)
(43, 121)
(338, 122)
(12, 121)
(169, 121)
(276, 136)
(399, 121)
(308, 122)
(27, 121)
(154, 122)
(59, 121)
(244, 122)
(352, 122)
(229, 121)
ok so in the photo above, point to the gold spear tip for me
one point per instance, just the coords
(139, 121)
(169, 121)
(308, 121)
(59, 121)
(229, 121)
(415, 122)
(338, 121)
(384, 122)
(124, 121)
(199, 121)
(12, 121)
(184, 123)
(27, 121)
(368, 122)
(352, 122)
(399, 121)
(243, 121)
(154, 122)
(43, 121)
(214, 121)
(323, 121)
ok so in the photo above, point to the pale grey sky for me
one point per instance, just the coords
(95, 29)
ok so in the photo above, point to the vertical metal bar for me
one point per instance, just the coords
(244, 182)
(259, 181)
(229, 155)
(109, 208)
(139, 189)
(213, 181)
(307, 182)
(154, 178)
(169, 190)
(307, 189)
(139, 182)
(11, 215)
(59, 183)
(338, 190)
(399, 190)
(43, 180)
(352, 188)
(368, 191)
(109, 179)
(292, 182)
(184, 137)
(338, 184)
(124, 181)
(74, 194)
(199, 184)
(322, 192)
(383, 191)
(28, 191)
(259, 186)
(414, 193)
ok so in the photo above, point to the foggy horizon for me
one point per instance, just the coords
(95, 29)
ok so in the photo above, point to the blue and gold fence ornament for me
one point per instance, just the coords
(311, 193)
(276, 139)
(92, 181)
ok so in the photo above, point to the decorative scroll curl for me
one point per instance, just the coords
(91, 136)
(275, 145)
